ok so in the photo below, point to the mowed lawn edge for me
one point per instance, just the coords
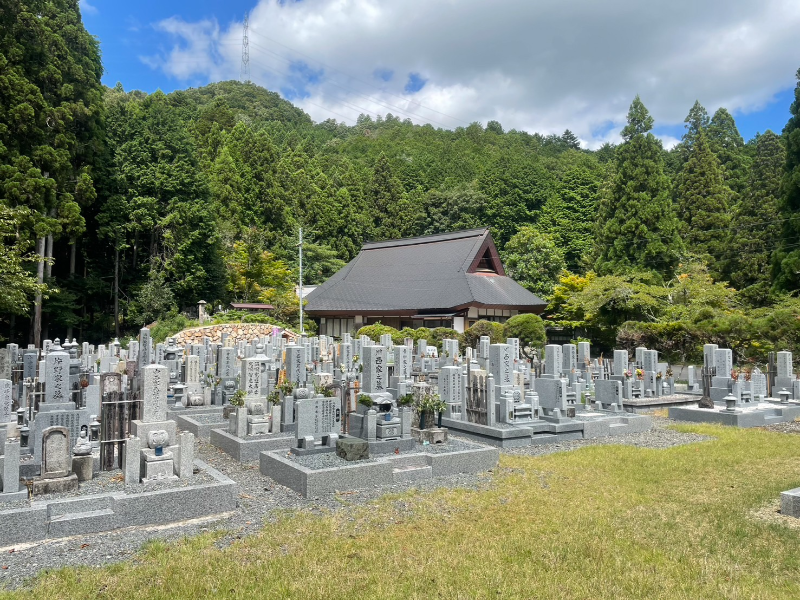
(604, 521)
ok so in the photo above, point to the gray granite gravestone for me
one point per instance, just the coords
(6, 415)
(154, 394)
(620, 362)
(402, 362)
(553, 361)
(5, 364)
(374, 376)
(57, 377)
(501, 364)
(569, 358)
(56, 454)
(296, 364)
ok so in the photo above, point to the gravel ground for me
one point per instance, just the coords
(788, 427)
(658, 437)
(259, 499)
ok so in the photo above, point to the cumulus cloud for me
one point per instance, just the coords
(537, 66)
(86, 8)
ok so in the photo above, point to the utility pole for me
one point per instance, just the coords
(300, 249)
(244, 73)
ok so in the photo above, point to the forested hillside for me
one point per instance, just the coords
(141, 205)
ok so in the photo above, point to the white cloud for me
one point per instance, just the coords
(538, 66)
(87, 9)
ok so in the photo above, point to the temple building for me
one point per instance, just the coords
(441, 280)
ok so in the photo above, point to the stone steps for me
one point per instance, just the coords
(412, 460)
(67, 507)
(411, 473)
(90, 521)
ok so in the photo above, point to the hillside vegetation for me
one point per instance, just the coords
(141, 205)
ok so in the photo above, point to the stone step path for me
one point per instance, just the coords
(91, 514)
(411, 473)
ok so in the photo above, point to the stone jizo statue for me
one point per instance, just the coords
(83, 447)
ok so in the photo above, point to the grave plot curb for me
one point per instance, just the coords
(779, 413)
(81, 515)
(248, 450)
(547, 432)
(187, 422)
(380, 472)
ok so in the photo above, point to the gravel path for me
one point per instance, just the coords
(259, 498)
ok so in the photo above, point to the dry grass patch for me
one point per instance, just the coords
(600, 522)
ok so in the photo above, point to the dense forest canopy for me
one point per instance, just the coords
(138, 206)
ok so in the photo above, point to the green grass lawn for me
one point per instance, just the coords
(600, 522)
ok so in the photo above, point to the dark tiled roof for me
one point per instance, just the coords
(424, 273)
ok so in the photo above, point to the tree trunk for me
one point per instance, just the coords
(116, 292)
(36, 331)
(48, 267)
(72, 245)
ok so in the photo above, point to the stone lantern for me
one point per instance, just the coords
(201, 311)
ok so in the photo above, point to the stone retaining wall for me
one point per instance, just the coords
(236, 331)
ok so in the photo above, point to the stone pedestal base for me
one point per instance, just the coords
(83, 466)
(260, 428)
(56, 485)
(158, 471)
(434, 435)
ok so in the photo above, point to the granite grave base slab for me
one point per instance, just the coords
(377, 471)
(587, 425)
(645, 405)
(81, 515)
(248, 449)
(174, 412)
(56, 485)
(755, 414)
(200, 423)
(391, 446)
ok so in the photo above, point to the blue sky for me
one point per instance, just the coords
(544, 66)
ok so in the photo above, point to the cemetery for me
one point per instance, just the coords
(317, 416)
(742, 399)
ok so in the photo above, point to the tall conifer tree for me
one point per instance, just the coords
(728, 146)
(786, 262)
(636, 225)
(703, 201)
(757, 229)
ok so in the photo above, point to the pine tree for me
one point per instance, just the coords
(636, 225)
(703, 203)
(756, 222)
(786, 263)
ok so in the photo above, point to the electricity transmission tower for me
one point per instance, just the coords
(244, 73)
